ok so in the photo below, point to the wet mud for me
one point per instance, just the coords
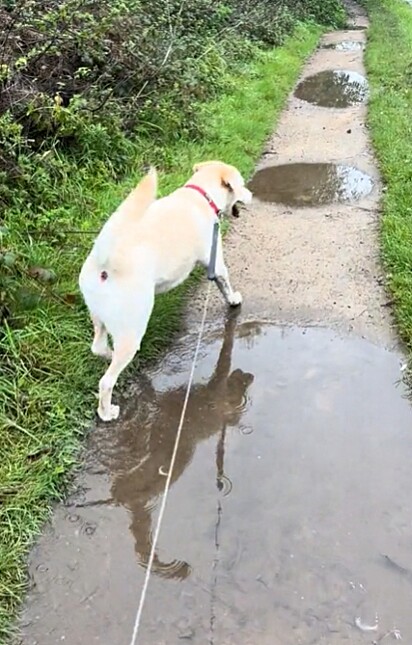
(310, 184)
(293, 437)
(333, 89)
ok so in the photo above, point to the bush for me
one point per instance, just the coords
(326, 12)
(136, 66)
(80, 80)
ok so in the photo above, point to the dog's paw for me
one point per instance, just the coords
(236, 299)
(109, 415)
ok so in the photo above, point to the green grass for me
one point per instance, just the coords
(389, 64)
(48, 375)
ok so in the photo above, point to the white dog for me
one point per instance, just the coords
(149, 246)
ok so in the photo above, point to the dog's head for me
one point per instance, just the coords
(229, 178)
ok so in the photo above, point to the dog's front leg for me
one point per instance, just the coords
(233, 298)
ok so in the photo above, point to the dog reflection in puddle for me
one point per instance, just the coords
(146, 438)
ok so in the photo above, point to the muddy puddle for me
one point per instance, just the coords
(346, 45)
(333, 89)
(289, 514)
(310, 184)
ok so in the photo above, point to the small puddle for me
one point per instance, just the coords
(333, 89)
(310, 184)
(346, 45)
(289, 513)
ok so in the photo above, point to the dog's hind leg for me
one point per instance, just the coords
(126, 342)
(100, 345)
(124, 350)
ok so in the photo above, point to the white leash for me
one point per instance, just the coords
(169, 476)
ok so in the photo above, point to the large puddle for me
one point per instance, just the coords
(333, 89)
(346, 45)
(289, 516)
(310, 184)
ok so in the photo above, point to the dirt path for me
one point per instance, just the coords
(288, 520)
(319, 264)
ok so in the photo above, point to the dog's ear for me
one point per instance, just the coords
(233, 180)
(203, 164)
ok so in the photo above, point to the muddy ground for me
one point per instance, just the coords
(288, 519)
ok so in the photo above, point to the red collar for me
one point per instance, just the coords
(202, 192)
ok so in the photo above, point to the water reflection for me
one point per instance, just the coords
(333, 89)
(315, 532)
(346, 45)
(139, 456)
(310, 184)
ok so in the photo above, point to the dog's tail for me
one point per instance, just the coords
(141, 197)
(129, 212)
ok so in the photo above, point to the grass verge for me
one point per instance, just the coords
(389, 64)
(48, 375)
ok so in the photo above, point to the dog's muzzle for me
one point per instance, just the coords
(235, 210)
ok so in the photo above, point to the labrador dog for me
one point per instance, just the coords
(149, 246)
